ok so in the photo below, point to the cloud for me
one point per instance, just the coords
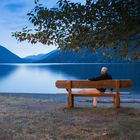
(13, 15)
(13, 18)
(14, 12)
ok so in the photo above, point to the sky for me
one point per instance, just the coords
(13, 18)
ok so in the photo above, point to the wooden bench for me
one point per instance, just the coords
(115, 84)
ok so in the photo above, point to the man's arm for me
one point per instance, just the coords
(95, 78)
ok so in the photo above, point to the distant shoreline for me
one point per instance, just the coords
(33, 63)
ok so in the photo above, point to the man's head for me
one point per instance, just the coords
(104, 70)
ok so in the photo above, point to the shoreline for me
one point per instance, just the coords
(128, 98)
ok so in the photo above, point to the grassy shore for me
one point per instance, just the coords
(36, 119)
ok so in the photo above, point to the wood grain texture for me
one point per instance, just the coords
(93, 84)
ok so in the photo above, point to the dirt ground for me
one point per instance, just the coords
(37, 119)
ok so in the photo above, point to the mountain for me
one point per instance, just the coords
(32, 58)
(8, 57)
(85, 55)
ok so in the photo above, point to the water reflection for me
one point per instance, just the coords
(77, 71)
(41, 78)
(7, 70)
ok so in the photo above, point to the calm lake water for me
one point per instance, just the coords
(40, 78)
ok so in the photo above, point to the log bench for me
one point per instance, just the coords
(76, 84)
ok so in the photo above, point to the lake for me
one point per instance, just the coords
(40, 78)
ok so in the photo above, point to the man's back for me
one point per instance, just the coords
(101, 77)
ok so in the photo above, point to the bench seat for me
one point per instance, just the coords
(90, 94)
(77, 84)
(94, 95)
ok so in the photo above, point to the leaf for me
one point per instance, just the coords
(107, 25)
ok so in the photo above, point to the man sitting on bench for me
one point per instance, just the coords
(104, 76)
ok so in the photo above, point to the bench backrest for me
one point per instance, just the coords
(93, 84)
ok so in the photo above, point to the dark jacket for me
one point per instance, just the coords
(101, 77)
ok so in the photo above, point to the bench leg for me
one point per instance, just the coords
(117, 102)
(70, 101)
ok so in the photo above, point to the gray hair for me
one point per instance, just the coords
(104, 69)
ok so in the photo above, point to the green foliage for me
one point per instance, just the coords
(105, 24)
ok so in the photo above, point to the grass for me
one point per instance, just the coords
(34, 119)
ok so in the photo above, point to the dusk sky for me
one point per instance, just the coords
(13, 18)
